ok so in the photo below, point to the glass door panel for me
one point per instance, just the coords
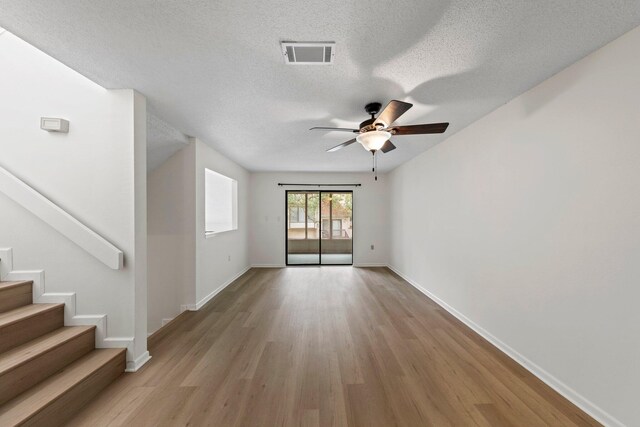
(336, 228)
(303, 222)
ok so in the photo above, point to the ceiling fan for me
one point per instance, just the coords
(374, 133)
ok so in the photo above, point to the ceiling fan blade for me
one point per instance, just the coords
(420, 129)
(337, 129)
(392, 111)
(338, 147)
(388, 146)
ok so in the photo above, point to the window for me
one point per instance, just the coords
(221, 203)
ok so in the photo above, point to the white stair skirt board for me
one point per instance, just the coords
(71, 318)
(581, 402)
(198, 305)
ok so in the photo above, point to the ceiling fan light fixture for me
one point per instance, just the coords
(373, 140)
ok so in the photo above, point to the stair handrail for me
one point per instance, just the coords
(60, 220)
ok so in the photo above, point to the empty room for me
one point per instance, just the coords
(320, 213)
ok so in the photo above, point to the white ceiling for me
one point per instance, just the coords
(213, 69)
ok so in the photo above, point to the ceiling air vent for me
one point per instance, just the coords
(308, 53)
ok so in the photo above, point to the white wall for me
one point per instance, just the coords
(171, 239)
(371, 220)
(527, 222)
(91, 172)
(221, 257)
(163, 141)
(140, 230)
(187, 268)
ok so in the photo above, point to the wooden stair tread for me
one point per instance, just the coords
(8, 285)
(15, 294)
(32, 349)
(21, 313)
(34, 400)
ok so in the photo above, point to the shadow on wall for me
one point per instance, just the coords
(163, 141)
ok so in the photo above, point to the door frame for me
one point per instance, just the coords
(286, 226)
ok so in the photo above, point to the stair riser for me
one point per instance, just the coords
(43, 365)
(66, 407)
(32, 327)
(16, 296)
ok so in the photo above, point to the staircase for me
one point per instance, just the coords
(48, 371)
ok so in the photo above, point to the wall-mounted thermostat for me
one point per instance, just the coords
(52, 124)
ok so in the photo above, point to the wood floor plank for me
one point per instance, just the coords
(330, 346)
(118, 407)
(493, 416)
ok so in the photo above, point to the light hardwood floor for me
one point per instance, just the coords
(322, 347)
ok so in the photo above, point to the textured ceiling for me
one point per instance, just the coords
(213, 69)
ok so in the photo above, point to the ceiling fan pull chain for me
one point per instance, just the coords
(375, 165)
(373, 161)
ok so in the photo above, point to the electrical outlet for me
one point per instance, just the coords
(371, 247)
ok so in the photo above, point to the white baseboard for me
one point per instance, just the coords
(164, 322)
(134, 365)
(577, 399)
(268, 266)
(71, 318)
(197, 306)
(369, 264)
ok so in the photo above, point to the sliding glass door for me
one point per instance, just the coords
(319, 228)
(303, 228)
